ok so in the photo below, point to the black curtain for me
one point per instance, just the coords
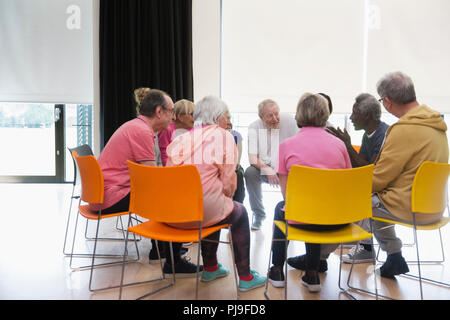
(143, 43)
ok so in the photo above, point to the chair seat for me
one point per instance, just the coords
(350, 233)
(92, 215)
(431, 226)
(164, 232)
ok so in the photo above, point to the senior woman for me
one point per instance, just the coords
(312, 146)
(212, 149)
(184, 121)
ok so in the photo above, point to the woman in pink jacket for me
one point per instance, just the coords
(212, 149)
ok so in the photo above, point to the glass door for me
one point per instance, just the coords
(31, 142)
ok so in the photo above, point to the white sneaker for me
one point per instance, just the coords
(360, 255)
(256, 225)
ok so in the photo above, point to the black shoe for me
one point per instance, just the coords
(183, 269)
(395, 264)
(312, 283)
(276, 276)
(299, 262)
(153, 255)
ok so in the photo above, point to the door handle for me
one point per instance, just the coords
(57, 114)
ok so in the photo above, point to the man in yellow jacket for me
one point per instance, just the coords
(419, 135)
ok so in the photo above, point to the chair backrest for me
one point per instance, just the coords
(92, 184)
(429, 189)
(356, 147)
(326, 196)
(83, 150)
(166, 194)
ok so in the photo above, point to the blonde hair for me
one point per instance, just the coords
(139, 95)
(183, 106)
(312, 111)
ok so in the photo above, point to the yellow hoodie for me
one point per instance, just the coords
(416, 137)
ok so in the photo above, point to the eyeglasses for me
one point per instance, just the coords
(381, 99)
(170, 110)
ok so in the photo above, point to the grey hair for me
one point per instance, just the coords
(209, 110)
(368, 104)
(312, 111)
(398, 87)
(263, 104)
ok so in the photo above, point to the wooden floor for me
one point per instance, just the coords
(33, 266)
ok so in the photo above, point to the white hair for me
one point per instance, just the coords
(209, 110)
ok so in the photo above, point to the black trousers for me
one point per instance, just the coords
(312, 249)
(239, 194)
(124, 205)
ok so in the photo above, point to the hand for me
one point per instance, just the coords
(272, 176)
(343, 135)
(274, 181)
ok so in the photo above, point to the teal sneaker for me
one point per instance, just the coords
(257, 281)
(213, 275)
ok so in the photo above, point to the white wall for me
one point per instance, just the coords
(206, 47)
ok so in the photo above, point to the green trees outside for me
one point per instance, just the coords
(30, 116)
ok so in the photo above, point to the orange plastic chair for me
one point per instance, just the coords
(92, 191)
(168, 195)
(83, 150)
(356, 147)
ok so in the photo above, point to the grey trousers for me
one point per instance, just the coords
(384, 232)
(253, 182)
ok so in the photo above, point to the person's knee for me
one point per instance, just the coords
(279, 214)
(251, 173)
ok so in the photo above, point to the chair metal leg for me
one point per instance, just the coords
(340, 272)
(376, 294)
(414, 244)
(68, 221)
(286, 243)
(91, 255)
(111, 263)
(266, 290)
(122, 285)
(418, 259)
(110, 238)
(230, 242)
(419, 277)
(198, 259)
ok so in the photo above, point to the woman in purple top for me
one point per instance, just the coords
(313, 147)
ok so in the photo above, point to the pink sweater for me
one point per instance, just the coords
(312, 147)
(134, 141)
(213, 151)
(164, 139)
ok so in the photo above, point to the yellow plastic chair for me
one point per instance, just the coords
(92, 191)
(165, 195)
(428, 195)
(324, 197)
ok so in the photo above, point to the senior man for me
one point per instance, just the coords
(264, 137)
(419, 135)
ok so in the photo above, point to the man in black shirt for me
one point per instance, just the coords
(365, 116)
